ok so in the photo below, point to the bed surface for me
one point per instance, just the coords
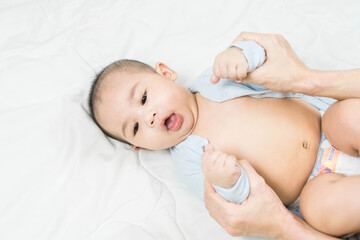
(60, 177)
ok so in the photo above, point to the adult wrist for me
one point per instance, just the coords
(287, 227)
(317, 82)
(306, 81)
(291, 227)
(295, 228)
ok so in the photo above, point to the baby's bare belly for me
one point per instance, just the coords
(279, 137)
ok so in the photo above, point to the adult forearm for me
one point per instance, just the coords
(284, 71)
(298, 229)
(335, 84)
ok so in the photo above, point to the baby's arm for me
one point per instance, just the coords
(220, 168)
(225, 173)
(236, 61)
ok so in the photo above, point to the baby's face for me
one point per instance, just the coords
(147, 109)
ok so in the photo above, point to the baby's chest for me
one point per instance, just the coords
(234, 125)
(251, 128)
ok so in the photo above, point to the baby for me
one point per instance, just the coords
(279, 133)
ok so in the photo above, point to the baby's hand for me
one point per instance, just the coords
(230, 64)
(219, 168)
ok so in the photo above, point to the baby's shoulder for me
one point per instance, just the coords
(191, 149)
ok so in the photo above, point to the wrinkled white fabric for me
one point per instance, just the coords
(60, 177)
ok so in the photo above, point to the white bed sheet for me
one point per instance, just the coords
(60, 177)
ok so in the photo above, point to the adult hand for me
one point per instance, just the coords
(261, 214)
(282, 70)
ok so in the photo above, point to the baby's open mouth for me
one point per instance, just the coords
(173, 122)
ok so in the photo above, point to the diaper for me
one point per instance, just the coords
(329, 160)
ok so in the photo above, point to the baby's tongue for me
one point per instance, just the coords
(173, 122)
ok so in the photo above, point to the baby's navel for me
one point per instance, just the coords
(306, 145)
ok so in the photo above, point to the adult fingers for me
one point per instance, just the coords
(255, 179)
(260, 38)
(258, 76)
(250, 171)
(244, 36)
(209, 189)
(214, 203)
(210, 198)
(225, 213)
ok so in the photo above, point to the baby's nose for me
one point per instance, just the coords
(151, 119)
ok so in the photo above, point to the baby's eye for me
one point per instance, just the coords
(143, 100)
(136, 128)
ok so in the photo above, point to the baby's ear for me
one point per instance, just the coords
(165, 71)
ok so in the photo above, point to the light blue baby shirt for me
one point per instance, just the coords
(187, 154)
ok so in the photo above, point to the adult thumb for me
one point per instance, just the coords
(250, 171)
(258, 76)
(256, 181)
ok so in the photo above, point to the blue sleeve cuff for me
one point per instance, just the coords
(239, 192)
(254, 53)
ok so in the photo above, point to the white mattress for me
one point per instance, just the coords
(60, 177)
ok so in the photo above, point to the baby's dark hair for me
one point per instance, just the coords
(124, 65)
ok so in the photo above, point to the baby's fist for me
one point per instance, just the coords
(220, 168)
(230, 64)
